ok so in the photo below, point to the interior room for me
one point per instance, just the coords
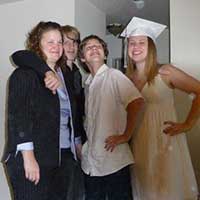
(178, 44)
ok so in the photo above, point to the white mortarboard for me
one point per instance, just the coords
(141, 27)
(138, 26)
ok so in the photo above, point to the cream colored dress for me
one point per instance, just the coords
(163, 168)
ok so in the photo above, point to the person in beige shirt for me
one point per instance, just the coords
(112, 106)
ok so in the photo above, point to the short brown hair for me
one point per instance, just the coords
(83, 44)
(85, 41)
(35, 36)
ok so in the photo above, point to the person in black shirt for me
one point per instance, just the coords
(68, 182)
(33, 118)
(72, 74)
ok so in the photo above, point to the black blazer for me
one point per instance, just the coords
(33, 116)
(28, 59)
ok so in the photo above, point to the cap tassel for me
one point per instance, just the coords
(125, 52)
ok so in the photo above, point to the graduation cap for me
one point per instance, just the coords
(138, 26)
(141, 27)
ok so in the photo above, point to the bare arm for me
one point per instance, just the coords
(184, 82)
(133, 110)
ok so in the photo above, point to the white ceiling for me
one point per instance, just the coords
(121, 11)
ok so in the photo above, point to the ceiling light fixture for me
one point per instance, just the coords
(115, 28)
(139, 4)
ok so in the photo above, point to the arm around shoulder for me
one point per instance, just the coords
(29, 59)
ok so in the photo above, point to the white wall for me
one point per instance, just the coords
(89, 19)
(162, 45)
(185, 30)
(115, 48)
(185, 49)
(16, 20)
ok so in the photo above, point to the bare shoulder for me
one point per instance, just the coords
(165, 72)
(179, 79)
(167, 69)
(171, 68)
(170, 71)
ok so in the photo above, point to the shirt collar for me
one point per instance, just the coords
(101, 70)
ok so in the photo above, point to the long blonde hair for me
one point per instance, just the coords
(151, 64)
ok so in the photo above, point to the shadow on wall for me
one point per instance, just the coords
(183, 103)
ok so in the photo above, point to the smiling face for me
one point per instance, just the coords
(93, 53)
(138, 48)
(51, 46)
(70, 46)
